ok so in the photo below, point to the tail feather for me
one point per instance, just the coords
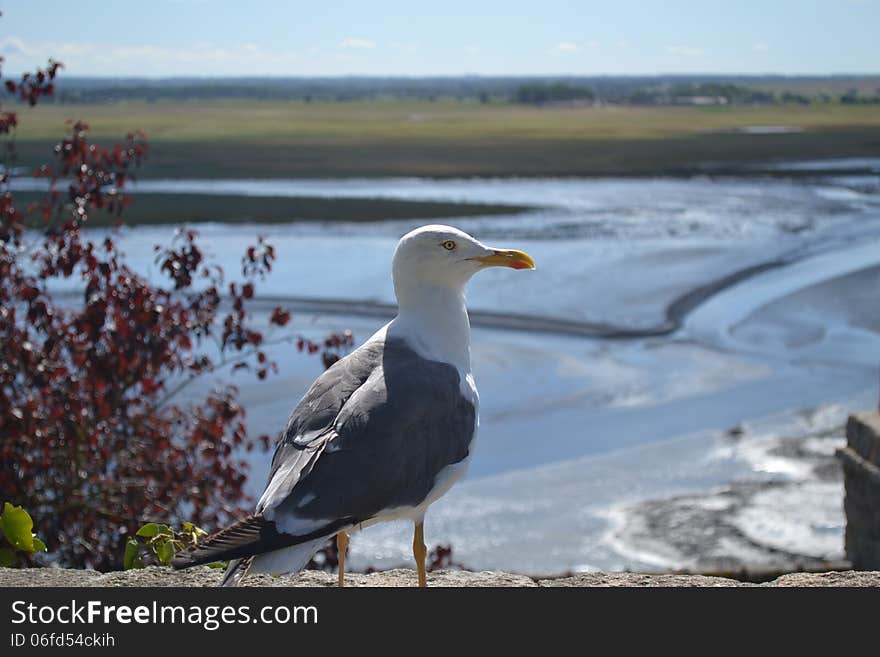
(251, 536)
(278, 562)
(287, 560)
(236, 570)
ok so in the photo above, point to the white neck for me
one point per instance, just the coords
(434, 321)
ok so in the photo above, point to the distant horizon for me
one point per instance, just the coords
(452, 76)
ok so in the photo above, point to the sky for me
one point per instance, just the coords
(216, 38)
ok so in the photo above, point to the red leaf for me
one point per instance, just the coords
(280, 317)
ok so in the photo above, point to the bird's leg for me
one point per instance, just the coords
(420, 551)
(342, 547)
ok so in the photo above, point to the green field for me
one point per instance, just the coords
(240, 139)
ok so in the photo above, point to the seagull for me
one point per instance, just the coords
(384, 432)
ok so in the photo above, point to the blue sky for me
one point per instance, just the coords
(407, 37)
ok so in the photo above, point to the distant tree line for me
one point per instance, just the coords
(853, 97)
(682, 92)
(646, 90)
(691, 93)
(540, 94)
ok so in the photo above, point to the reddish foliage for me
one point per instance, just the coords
(34, 85)
(8, 122)
(280, 317)
(91, 441)
(334, 345)
(440, 558)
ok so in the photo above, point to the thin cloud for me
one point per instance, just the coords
(355, 44)
(112, 59)
(405, 46)
(565, 48)
(685, 51)
(760, 47)
(11, 47)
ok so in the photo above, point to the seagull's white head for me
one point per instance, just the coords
(442, 256)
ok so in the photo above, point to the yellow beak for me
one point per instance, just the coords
(506, 258)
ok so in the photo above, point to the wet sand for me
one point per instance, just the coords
(663, 313)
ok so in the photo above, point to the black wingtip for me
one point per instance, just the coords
(239, 539)
(244, 538)
(182, 560)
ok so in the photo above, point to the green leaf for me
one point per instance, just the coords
(132, 558)
(218, 564)
(192, 531)
(149, 530)
(153, 529)
(164, 551)
(7, 558)
(17, 527)
(39, 546)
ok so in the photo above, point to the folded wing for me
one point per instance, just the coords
(372, 434)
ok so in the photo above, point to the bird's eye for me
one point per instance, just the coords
(449, 245)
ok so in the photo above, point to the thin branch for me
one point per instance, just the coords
(224, 362)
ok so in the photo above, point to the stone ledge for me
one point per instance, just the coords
(861, 468)
(863, 435)
(196, 577)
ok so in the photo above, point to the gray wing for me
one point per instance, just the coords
(372, 433)
(311, 422)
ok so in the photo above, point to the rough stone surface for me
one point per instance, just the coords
(846, 578)
(861, 466)
(154, 576)
(47, 577)
(638, 579)
(863, 435)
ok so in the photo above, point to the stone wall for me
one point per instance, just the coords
(203, 576)
(861, 467)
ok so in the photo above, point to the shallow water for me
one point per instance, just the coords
(573, 427)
